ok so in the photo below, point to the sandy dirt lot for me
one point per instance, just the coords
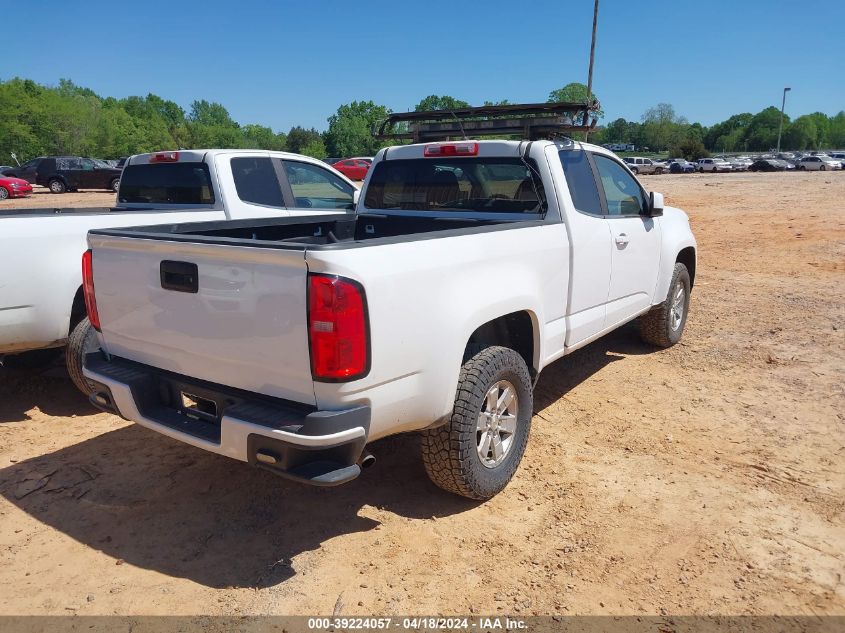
(708, 478)
(41, 197)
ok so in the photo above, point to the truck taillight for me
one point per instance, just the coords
(337, 329)
(88, 289)
(165, 157)
(451, 149)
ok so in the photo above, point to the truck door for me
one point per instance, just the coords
(635, 242)
(591, 250)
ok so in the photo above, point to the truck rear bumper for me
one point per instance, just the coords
(289, 439)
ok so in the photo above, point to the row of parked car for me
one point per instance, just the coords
(784, 161)
(59, 174)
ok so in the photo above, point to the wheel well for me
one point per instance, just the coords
(77, 310)
(515, 330)
(687, 258)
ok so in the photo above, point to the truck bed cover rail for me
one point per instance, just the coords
(528, 120)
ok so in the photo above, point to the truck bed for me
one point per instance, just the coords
(315, 232)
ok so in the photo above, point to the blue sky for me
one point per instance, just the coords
(285, 63)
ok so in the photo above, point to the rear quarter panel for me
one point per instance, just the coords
(425, 298)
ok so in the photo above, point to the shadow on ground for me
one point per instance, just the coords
(564, 375)
(156, 503)
(50, 389)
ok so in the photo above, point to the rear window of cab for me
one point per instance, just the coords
(166, 183)
(488, 185)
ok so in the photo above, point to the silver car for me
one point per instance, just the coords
(714, 165)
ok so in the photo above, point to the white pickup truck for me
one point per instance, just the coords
(41, 300)
(291, 343)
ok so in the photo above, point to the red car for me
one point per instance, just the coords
(14, 188)
(353, 168)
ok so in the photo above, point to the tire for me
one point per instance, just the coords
(662, 325)
(57, 186)
(802, 168)
(822, 168)
(452, 453)
(635, 171)
(714, 170)
(659, 171)
(4, 193)
(115, 185)
(82, 340)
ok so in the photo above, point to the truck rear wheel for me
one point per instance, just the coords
(476, 453)
(664, 324)
(83, 340)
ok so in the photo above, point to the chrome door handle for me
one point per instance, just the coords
(621, 239)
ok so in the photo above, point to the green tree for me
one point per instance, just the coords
(762, 131)
(299, 137)
(837, 130)
(261, 137)
(440, 102)
(315, 148)
(573, 93)
(800, 134)
(690, 148)
(662, 128)
(350, 129)
(211, 114)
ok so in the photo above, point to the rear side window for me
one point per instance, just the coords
(489, 184)
(166, 183)
(69, 163)
(582, 183)
(256, 181)
(315, 187)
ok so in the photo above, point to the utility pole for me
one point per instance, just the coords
(592, 58)
(782, 106)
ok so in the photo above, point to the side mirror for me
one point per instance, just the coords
(356, 195)
(655, 204)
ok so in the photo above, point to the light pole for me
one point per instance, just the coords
(592, 57)
(782, 106)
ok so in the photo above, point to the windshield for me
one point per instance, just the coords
(490, 185)
(166, 183)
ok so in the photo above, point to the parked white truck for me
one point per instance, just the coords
(41, 300)
(291, 343)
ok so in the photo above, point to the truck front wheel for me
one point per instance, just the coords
(664, 324)
(82, 340)
(476, 453)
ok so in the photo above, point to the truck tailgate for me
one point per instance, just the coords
(229, 315)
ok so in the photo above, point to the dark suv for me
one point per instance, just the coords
(68, 173)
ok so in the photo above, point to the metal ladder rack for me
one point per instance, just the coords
(530, 121)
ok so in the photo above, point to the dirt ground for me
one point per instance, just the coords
(704, 479)
(41, 197)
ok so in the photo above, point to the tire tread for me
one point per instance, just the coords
(654, 324)
(447, 450)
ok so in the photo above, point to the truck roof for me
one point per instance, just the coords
(488, 148)
(199, 155)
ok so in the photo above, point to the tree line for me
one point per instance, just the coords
(67, 119)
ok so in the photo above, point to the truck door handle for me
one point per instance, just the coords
(621, 239)
(179, 276)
